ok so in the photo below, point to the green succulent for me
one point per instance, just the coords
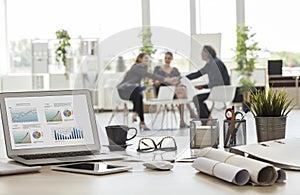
(270, 103)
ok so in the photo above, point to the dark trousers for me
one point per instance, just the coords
(137, 99)
(203, 111)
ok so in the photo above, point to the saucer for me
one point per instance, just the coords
(117, 147)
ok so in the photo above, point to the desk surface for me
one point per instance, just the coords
(182, 179)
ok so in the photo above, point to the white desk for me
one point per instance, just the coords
(183, 179)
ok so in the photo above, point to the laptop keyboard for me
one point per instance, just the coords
(55, 155)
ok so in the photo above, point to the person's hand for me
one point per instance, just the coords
(156, 83)
(199, 87)
(172, 80)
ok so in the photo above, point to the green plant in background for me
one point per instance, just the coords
(246, 87)
(147, 47)
(246, 58)
(61, 50)
(270, 103)
(246, 50)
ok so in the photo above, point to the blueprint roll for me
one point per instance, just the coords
(227, 172)
(281, 175)
(261, 173)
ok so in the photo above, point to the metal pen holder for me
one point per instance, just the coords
(204, 133)
(234, 134)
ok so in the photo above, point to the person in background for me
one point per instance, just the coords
(167, 71)
(130, 87)
(217, 75)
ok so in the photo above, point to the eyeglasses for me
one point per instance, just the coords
(167, 143)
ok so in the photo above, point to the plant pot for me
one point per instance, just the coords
(270, 128)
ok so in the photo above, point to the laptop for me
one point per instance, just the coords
(50, 127)
(165, 93)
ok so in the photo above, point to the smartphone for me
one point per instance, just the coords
(94, 168)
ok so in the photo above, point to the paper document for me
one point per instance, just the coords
(282, 153)
(281, 175)
(260, 173)
(227, 172)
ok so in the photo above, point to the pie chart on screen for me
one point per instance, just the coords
(37, 134)
(67, 113)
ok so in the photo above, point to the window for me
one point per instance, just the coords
(34, 19)
(276, 25)
(171, 14)
(174, 15)
(219, 16)
(3, 56)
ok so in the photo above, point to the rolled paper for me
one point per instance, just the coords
(261, 173)
(281, 175)
(222, 171)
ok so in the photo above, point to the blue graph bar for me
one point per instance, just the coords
(74, 134)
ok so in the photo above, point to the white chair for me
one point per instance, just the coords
(191, 91)
(117, 101)
(190, 88)
(163, 100)
(223, 94)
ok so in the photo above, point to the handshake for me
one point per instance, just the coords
(172, 80)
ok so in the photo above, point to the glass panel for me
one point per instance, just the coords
(173, 15)
(276, 25)
(219, 16)
(34, 19)
(3, 51)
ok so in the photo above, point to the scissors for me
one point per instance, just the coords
(229, 111)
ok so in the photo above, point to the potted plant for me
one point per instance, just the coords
(62, 48)
(246, 57)
(270, 109)
(147, 47)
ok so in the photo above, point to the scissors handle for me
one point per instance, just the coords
(238, 113)
(228, 114)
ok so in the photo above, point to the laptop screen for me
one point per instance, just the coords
(48, 121)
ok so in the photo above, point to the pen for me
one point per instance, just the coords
(232, 126)
(233, 136)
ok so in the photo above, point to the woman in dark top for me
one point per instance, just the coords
(217, 75)
(130, 89)
(166, 71)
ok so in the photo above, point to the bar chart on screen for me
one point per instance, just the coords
(67, 134)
